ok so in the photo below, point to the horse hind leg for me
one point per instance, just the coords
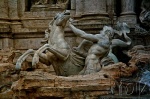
(22, 58)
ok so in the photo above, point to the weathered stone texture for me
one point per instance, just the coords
(47, 85)
(40, 83)
(22, 27)
(18, 18)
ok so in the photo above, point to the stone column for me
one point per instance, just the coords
(127, 12)
(127, 7)
(79, 7)
(95, 7)
(4, 24)
(21, 7)
(73, 7)
(111, 10)
(3, 9)
(13, 9)
(86, 7)
(14, 18)
(94, 11)
(13, 14)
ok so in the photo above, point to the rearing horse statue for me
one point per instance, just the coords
(66, 61)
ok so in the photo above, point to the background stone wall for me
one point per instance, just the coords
(22, 22)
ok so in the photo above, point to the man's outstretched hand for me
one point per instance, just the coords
(71, 21)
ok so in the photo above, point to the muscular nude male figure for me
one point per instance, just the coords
(99, 49)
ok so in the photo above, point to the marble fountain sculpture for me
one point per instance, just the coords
(88, 70)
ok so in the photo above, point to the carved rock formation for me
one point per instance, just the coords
(40, 83)
(8, 74)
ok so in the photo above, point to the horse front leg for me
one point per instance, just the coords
(40, 55)
(22, 58)
(57, 53)
(61, 54)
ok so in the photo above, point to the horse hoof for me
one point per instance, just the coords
(46, 45)
(18, 66)
(35, 60)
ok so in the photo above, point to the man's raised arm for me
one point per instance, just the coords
(83, 34)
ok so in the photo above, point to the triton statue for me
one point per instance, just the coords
(102, 45)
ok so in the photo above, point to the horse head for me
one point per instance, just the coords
(57, 28)
(61, 18)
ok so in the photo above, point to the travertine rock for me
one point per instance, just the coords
(22, 27)
(8, 73)
(40, 83)
(46, 85)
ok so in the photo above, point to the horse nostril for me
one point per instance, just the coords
(67, 12)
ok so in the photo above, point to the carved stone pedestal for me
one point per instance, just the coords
(91, 15)
(131, 20)
(128, 15)
(48, 7)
